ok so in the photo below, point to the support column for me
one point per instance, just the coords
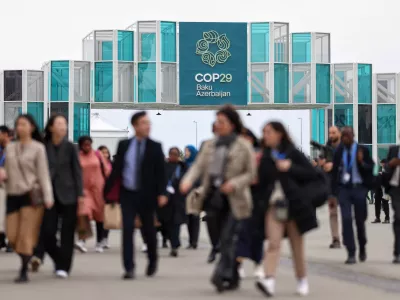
(71, 100)
(158, 62)
(355, 100)
(1, 98)
(24, 92)
(374, 119)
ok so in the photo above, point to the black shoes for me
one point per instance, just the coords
(335, 244)
(396, 260)
(173, 253)
(376, 221)
(212, 256)
(129, 275)
(387, 221)
(165, 244)
(192, 246)
(362, 256)
(351, 260)
(22, 278)
(151, 269)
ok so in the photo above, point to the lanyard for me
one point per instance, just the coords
(277, 155)
(177, 174)
(349, 164)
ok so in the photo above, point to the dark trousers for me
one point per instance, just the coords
(174, 235)
(251, 241)
(214, 227)
(101, 233)
(61, 253)
(380, 203)
(349, 198)
(130, 206)
(193, 226)
(395, 194)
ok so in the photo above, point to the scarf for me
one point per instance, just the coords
(193, 153)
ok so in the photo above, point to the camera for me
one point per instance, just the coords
(326, 150)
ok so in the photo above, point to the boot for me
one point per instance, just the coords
(23, 274)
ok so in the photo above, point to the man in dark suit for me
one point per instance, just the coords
(352, 178)
(381, 198)
(391, 179)
(139, 169)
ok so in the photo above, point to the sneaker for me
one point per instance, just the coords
(302, 287)
(35, 264)
(105, 244)
(266, 286)
(242, 273)
(144, 248)
(259, 271)
(61, 274)
(99, 248)
(80, 245)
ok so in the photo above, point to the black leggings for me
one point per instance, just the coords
(101, 233)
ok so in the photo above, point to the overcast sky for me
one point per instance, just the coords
(33, 32)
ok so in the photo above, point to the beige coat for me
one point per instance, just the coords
(240, 172)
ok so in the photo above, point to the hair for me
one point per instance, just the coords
(247, 132)
(5, 129)
(384, 161)
(47, 132)
(279, 127)
(213, 128)
(233, 116)
(103, 147)
(36, 135)
(174, 148)
(137, 116)
(84, 139)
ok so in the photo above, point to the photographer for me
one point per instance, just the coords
(381, 198)
(328, 152)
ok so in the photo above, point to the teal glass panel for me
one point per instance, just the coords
(280, 52)
(134, 88)
(281, 83)
(168, 41)
(148, 47)
(365, 83)
(323, 83)
(147, 82)
(301, 47)
(318, 125)
(59, 81)
(339, 78)
(386, 123)
(107, 50)
(382, 152)
(258, 87)
(260, 42)
(91, 84)
(343, 115)
(125, 45)
(81, 120)
(103, 90)
(302, 95)
(36, 109)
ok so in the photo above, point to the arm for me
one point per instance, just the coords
(77, 171)
(249, 174)
(367, 165)
(302, 168)
(42, 166)
(161, 180)
(195, 171)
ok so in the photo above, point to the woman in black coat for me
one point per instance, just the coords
(284, 173)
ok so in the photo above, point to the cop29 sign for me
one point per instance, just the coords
(212, 63)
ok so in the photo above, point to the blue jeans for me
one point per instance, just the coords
(349, 198)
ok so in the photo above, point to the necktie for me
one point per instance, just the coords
(138, 164)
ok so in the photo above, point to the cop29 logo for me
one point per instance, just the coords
(203, 48)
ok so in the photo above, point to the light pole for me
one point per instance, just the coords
(195, 122)
(301, 133)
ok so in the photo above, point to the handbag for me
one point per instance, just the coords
(112, 216)
(35, 194)
(83, 228)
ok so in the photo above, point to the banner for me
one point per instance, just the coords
(212, 63)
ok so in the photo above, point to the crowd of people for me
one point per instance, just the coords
(250, 189)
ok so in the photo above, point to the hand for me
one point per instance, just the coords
(283, 165)
(81, 199)
(162, 200)
(227, 188)
(3, 175)
(394, 162)
(48, 205)
(360, 156)
(185, 187)
(328, 167)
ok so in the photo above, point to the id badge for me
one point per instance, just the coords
(346, 177)
(170, 190)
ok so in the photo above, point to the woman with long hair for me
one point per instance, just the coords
(95, 170)
(66, 175)
(283, 171)
(193, 221)
(227, 167)
(28, 190)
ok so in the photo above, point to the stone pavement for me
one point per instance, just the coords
(97, 276)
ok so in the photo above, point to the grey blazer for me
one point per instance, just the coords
(65, 172)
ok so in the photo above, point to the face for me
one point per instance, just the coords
(223, 126)
(3, 138)
(347, 137)
(321, 161)
(142, 127)
(334, 134)
(105, 153)
(59, 127)
(24, 128)
(174, 155)
(87, 146)
(187, 153)
(272, 138)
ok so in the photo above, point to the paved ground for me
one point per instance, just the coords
(97, 276)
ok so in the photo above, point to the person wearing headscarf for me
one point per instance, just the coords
(193, 221)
